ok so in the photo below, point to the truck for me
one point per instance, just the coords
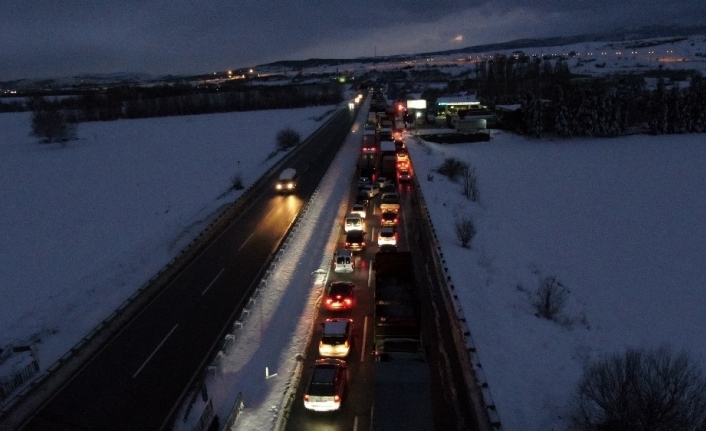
(388, 159)
(402, 387)
(370, 142)
(287, 181)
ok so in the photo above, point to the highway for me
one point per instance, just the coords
(137, 379)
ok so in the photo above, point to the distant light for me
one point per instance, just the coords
(458, 38)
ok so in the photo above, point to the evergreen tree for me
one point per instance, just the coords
(658, 109)
(561, 120)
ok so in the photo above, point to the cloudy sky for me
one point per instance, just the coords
(50, 38)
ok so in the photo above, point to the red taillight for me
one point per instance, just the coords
(336, 399)
(306, 397)
(329, 300)
(347, 301)
(348, 244)
(346, 344)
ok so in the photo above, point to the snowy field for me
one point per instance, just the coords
(619, 222)
(87, 224)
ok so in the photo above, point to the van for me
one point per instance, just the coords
(352, 222)
(343, 262)
(287, 181)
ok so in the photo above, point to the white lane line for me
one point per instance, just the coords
(355, 423)
(155, 351)
(372, 235)
(212, 281)
(365, 334)
(406, 236)
(370, 271)
(246, 241)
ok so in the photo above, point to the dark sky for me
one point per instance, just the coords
(56, 38)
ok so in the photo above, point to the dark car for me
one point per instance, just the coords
(355, 240)
(389, 218)
(339, 296)
(362, 198)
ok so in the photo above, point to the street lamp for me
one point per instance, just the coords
(416, 122)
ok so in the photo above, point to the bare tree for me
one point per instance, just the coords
(550, 298)
(642, 390)
(452, 168)
(50, 125)
(465, 230)
(237, 181)
(469, 181)
(287, 138)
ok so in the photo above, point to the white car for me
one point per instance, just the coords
(352, 222)
(387, 236)
(343, 262)
(359, 209)
(328, 385)
(336, 338)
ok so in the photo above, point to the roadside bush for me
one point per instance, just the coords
(642, 390)
(50, 125)
(237, 181)
(287, 138)
(550, 298)
(452, 168)
(469, 181)
(465, 230)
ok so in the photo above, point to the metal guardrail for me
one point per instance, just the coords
(19, 407)
(438, 271)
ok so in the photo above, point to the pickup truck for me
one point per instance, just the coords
(390, 202)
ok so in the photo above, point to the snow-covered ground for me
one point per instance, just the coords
(619, 222)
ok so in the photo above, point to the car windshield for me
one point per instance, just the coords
(333, 340)
(340, 289)
(388, 216)
(354, 236)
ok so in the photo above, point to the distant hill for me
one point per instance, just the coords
(627, 33)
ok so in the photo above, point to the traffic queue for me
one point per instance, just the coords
(375, 207)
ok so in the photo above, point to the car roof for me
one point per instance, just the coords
(355, 234)
(336, 327)
(341, 285)
(324, 373)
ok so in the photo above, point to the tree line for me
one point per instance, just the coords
(138, 102)
(554, 101)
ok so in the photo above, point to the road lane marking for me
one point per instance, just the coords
(153, 352)
(365, 334)
(246, 241)
(212, 281)
(355, 423)
(370, 271)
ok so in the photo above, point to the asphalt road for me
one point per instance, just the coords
(138, 378)
(355, 411)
